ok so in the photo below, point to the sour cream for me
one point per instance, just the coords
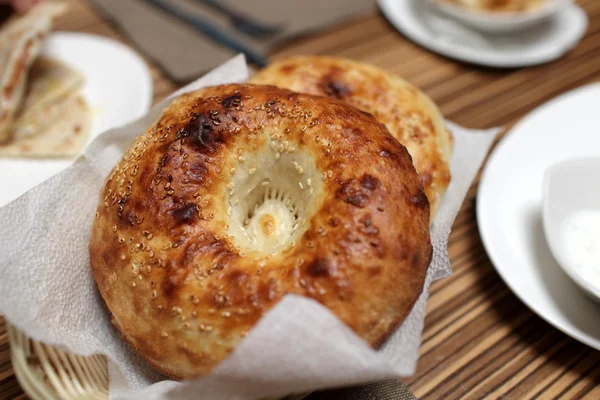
(580, 234)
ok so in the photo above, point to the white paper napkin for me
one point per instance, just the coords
(47, 289)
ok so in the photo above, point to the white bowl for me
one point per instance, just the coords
(500, 22)
(570, 189)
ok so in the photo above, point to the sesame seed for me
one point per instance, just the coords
(154, 294)
(123, 257)
(232, 170)
(251, 171)
(176, 310)
(133, 284)
(301, 185)
(164, 334)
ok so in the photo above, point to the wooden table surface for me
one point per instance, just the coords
(479, 341)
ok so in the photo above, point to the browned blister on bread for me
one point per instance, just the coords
(406, 111)
(241, 194)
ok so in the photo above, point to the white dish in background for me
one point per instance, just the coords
(118, 86)
(544, 43)
(501, 22)
(509, 209)
(571, 213)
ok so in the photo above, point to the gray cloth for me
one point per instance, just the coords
(391, 389)
(185, 53)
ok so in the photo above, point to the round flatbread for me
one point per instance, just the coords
(410, 116)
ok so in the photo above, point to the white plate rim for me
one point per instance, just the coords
(484, 58)
(148, 86)
(484, 226)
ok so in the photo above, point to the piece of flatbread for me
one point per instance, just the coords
(65, 138)
(20, 43)
(408, 113)
(49, 81)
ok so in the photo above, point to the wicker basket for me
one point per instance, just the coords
(47, 373)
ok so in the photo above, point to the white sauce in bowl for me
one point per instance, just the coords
(580, 234)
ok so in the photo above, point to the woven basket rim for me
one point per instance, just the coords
(48, 373)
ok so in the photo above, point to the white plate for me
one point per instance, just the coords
(509, 209)
(544, 43)
(118, 86)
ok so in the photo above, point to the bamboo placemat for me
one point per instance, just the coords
(480, 341)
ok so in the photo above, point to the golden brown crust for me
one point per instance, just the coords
(177, 283)
(408, 113)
